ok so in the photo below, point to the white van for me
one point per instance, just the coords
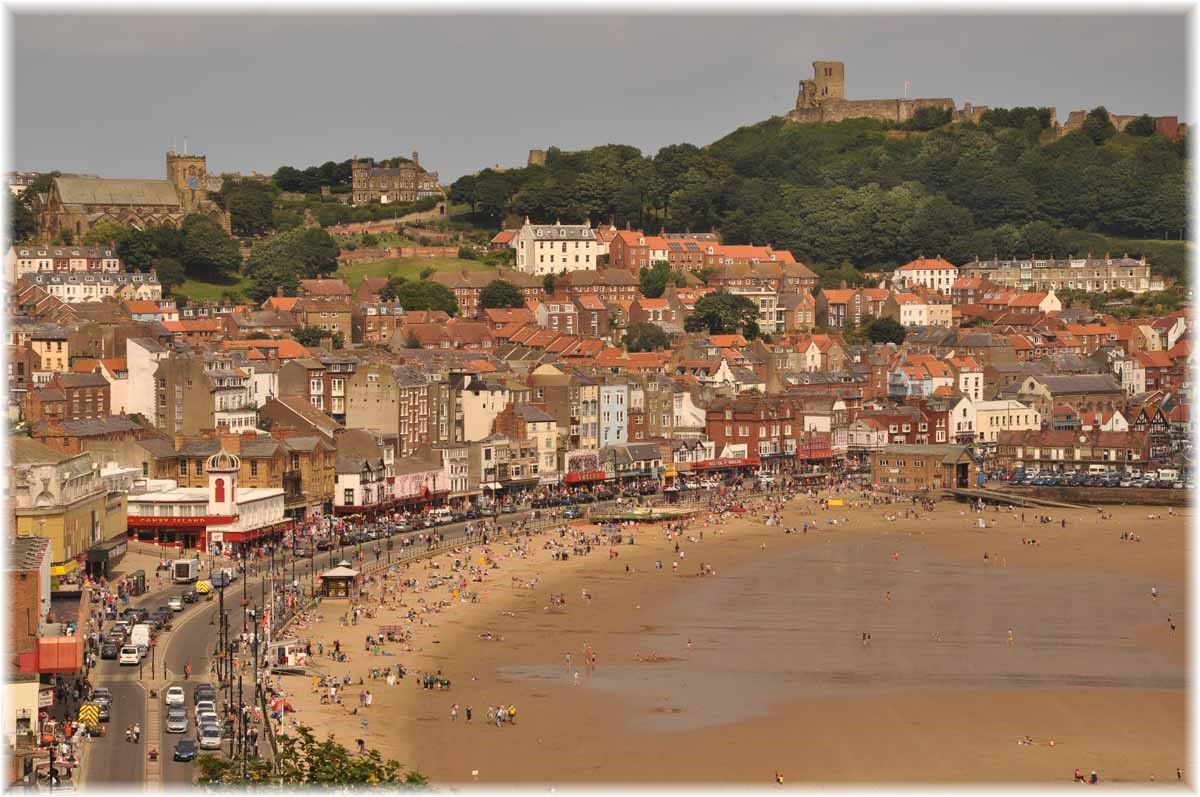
(1095, 469)
(441, 515)
(140, 638)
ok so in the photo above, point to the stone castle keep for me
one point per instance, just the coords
(823, 99)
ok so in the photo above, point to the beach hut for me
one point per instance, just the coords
(340, 582)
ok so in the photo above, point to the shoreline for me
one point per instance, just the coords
(420, 733)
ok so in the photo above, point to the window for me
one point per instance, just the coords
(183, 467)
(348, 497)
(253, 467)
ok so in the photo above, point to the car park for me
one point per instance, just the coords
(177, 720)
(185, 750)
(129, 655)
(210, 737)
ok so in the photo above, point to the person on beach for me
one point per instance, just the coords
(454, 712)
(468, 714)
(1011, 639)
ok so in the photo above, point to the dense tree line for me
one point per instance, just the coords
(859, 193)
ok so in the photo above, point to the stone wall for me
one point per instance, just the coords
(1106, 495)
(897, 111)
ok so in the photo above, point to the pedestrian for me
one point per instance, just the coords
(468, 713)
(454, 712)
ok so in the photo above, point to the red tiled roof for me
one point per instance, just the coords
(504, 236)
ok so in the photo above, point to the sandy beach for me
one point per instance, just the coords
(763, 666)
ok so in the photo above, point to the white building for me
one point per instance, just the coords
(555, 248)
(22, 260)
(217, 518)
(142, 357)
(932, 273)
(982, 421)
(74, 287)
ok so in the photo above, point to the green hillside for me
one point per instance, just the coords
(865, 193)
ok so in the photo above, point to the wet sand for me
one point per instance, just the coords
(777, 677)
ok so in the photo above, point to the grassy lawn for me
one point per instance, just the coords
(408, 267)
(211, 291)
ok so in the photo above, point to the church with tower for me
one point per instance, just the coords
(76, 204)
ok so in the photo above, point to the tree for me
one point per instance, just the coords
(411, 341)
(419, 295)
(286, 259)
(885, 330)
(548, 283)
(370, 241)
(500, 293)
(645, 336)
(1142, 126)
(23, 222)
(170, 273)
(652, 282)
(928, 117)
(311, 336)
(467, 253)
(1097, 126)
(303, 760)
(105, 233)
(209, 253)
(722, 313)
(250, 204)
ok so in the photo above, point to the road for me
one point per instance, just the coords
(194, 639)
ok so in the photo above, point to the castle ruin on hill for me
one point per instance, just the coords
(823, 99)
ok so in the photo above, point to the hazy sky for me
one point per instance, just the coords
(110, 94)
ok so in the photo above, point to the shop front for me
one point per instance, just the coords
(102, 558)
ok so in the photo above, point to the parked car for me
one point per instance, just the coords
(177, 720)
(190, 596)
(175, 696)
(176, 603)
(572, 512)
(210, 737)
(205, 706)
(129, 655)
(109, 650)
(204, 691)
(185, 749)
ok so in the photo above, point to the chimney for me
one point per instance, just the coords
(231, 442)
(416, 159)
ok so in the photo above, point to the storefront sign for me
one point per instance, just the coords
(726, 462)
(155, 521)
(46, 697)
(580, 476)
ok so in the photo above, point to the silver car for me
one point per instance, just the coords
(210, 737)
(177, 720)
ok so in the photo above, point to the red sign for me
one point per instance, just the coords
(151, 521)
(725, 462)
(577, 476)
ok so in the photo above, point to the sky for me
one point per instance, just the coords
(109, 95)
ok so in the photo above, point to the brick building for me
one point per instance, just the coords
(921, 468)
